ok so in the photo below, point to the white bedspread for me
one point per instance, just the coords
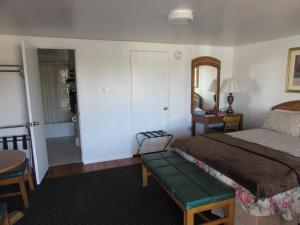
(271, 139)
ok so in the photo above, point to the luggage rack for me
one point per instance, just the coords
(142, 136)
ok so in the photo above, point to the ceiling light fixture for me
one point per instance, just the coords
(181, 16)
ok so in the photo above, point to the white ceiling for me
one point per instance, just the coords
(217, 22)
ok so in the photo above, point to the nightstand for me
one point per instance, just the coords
(206, 120)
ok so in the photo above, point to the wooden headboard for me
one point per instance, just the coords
(293, 106)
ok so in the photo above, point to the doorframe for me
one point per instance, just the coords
(77, 89)
(78, 102)
(131, 89)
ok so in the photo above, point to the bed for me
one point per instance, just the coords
(264, 168)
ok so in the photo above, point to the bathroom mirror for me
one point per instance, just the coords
(205, 84)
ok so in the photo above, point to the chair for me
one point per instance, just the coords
(231, 123)
(17, 176)
(3, 215)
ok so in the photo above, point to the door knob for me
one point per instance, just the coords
(166, 108)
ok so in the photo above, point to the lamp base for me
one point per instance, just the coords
(230, 99)
(215, 100)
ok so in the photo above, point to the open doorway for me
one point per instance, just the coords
(59, 94)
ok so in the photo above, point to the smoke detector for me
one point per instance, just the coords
(181, 16)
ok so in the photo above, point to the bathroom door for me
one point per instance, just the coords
(35, 109)
(150, 95)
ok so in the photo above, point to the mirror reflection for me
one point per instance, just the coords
(205, 88)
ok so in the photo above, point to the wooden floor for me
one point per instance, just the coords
(79, 168)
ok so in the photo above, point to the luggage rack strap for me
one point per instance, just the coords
(142, 136)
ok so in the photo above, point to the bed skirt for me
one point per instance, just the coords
(284, 206)
(243, 218)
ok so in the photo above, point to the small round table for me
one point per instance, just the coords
(10, 159)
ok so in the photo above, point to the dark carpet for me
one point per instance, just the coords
(107, 197)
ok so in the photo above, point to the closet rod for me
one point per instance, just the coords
(20, 70)
(55, 63)
(15, 126)
(17, 71)
(10, 65)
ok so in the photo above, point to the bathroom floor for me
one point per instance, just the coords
(63, 151)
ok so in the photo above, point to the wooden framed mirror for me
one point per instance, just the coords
(205, 88)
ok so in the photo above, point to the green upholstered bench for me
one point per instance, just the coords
(193, 190)
(3, 215)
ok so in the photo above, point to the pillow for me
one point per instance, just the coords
(284, 121)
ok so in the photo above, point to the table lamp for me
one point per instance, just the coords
(230, 86)
(213, 88)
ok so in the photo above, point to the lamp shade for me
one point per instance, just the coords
(213, 86)
(230, 86)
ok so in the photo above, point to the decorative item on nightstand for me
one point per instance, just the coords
(230, 86)
(213, 89)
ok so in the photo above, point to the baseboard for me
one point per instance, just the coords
(106, 159)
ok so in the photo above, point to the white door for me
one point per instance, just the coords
(35, 109)
(150, 95)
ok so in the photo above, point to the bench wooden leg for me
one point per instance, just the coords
(145, 176)
(6, 220)
(188, 217)
(23, 191)
(227, 220)
(230, 212)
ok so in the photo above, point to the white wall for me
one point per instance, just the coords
(260, 70)
(106, 127)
